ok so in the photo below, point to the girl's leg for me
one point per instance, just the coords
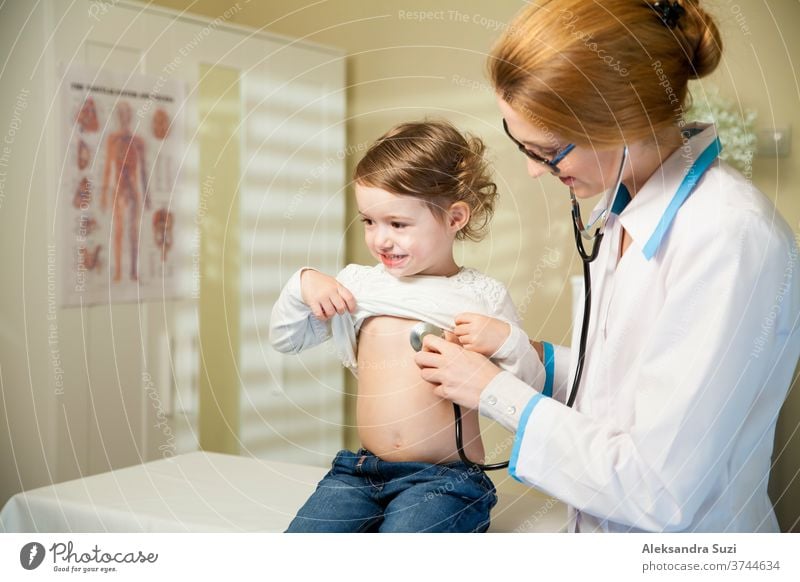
(442, 499)
(343, 502)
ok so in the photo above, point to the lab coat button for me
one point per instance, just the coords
(511, 410)
(492, 400)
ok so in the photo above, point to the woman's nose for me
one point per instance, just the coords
(535, 169)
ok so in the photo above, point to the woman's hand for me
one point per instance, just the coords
(480, 333)
(460, 375)
(324, 295)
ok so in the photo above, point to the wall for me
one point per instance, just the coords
(401, 67)
(93, 388)
(759, 72)
(27, 391)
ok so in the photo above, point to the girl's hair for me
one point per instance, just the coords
(607, 72)
(433, 161)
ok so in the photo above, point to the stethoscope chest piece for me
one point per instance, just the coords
(420, 330)
(418, 333)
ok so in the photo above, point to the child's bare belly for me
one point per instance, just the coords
(399, 417)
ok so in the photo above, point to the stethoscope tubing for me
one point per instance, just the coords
(700, 165)
(586, 258)
(587, 308)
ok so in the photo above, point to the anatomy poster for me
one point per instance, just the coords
(120, 182)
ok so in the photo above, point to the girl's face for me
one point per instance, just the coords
(586, 170)
(403, 233)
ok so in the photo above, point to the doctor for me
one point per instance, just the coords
(693, 336)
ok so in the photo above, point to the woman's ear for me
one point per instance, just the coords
(458, 216)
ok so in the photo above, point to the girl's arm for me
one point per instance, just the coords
(301, 316)
(542, 365)
(292, 326)
(498, 335)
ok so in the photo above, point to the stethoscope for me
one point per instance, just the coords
(420, 330)
(584, 233)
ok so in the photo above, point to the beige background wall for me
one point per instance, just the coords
(401, 68)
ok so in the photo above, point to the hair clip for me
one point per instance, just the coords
(669, 12)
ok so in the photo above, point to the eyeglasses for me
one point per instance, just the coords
(552, 165)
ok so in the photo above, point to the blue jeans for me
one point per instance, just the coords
(362, 493)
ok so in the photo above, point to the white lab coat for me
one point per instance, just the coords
(690, 355)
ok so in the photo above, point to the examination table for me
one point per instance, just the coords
(211, 492)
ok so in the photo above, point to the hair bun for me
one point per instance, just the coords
(570, 66)
(703, 38)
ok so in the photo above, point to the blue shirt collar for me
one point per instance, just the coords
(648, 216)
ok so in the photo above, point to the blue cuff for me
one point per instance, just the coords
(549, 368)
(523, 422)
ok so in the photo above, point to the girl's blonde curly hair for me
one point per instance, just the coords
(433, 161)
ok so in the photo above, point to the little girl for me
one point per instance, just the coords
(419, 188)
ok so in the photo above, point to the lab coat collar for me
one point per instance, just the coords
(648, 215)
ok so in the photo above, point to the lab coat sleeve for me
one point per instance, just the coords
(699, 386)
(557, 360)
(504, 399)
(550, 377)
(292, 326)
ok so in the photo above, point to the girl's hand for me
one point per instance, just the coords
(324, 295)
(480, 333)
(460, 375)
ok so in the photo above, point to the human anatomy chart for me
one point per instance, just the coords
(120, 175)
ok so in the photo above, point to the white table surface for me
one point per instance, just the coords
(211, 492)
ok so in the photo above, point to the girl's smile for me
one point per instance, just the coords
(405, 236)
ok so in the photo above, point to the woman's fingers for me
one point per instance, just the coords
(432, 375)
(433, 343)
(457, 375)
(431, 367)
(425, 359)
